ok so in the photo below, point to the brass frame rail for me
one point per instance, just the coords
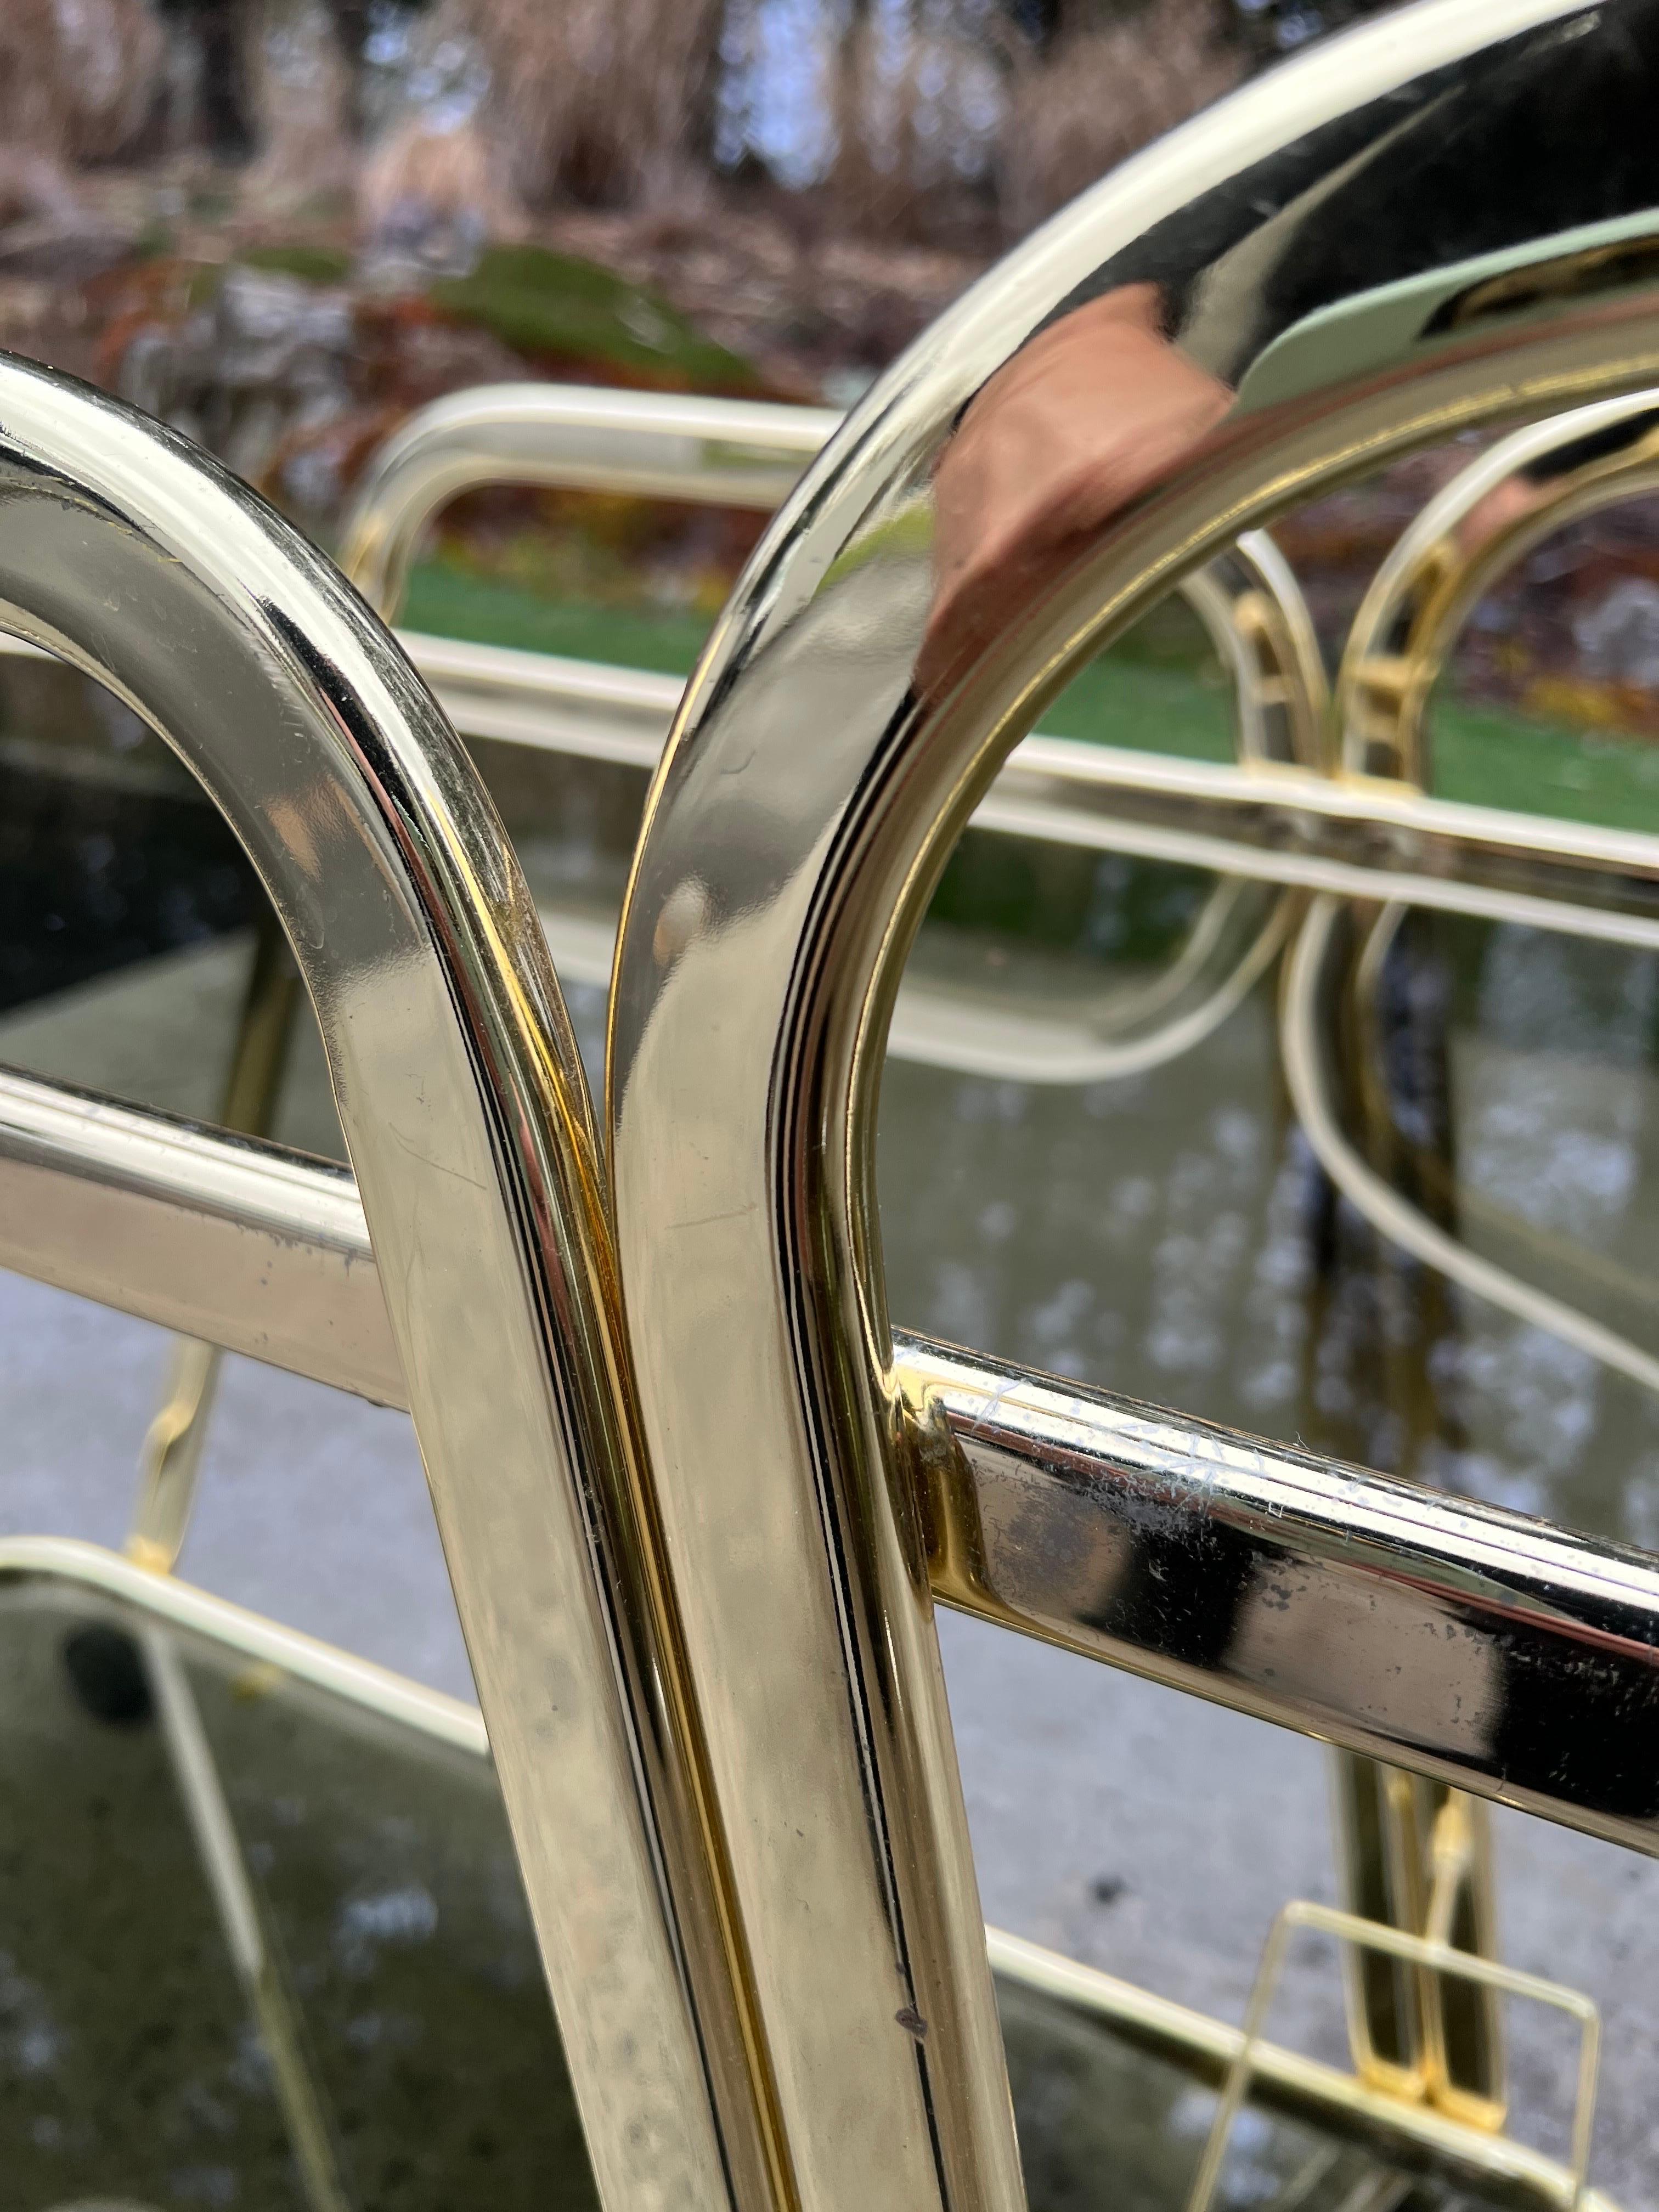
(128, 553)
(1043, 1525)
(722, 451)
(1277, 817)
(906, 621)
(694, 1518)
(1354, 837)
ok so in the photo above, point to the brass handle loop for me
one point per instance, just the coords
(716, 452)
(726, 452)
(832, 744)
(1488, 517)
(127, 553)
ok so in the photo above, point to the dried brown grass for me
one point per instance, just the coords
(78, 82)
(1100, 96)
(915, 112)
(602, 101)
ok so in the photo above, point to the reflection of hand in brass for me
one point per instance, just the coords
(1096, 410)
(1505, 504)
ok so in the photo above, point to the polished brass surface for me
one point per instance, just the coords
(1247, 600)
(263, 1252)
(1290, 825)
(1428, 1953)
(704, 1642)
(1062, 448)
(1463, 2017)
(722, 452)
(1032, 1503)
(1414, 2033)
(1390, 1619)
(1485, 521)
(130, 554)
(1488, 519)
(1303, 1050)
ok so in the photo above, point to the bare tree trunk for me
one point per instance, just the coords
(219, 30)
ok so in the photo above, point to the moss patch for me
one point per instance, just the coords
(313, 265)
(554, 304)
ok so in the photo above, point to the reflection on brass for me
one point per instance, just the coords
(1412, 2033)
(1427, 1953)
(1608, 267)
(1412, 1854)
(170, 1462)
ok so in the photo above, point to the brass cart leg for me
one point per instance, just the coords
(1412, 2033)
(171, 1457)
(1417, 1856)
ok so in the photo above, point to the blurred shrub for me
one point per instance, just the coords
(301, 88)
(934, 118)
(602, 101)
(1097, 96)
(930, 120)
(77, 83)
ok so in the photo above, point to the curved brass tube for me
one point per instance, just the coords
(128, 553)
(1485, 521)
(1487, 518)
(1614, 1278)
(1257, 621)
(1404, 1224)
(710, 450)
(919, 600)
(721, 452)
